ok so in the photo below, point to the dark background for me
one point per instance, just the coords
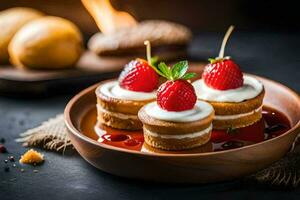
(200, 15)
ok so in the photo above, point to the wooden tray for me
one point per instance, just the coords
(89, 69)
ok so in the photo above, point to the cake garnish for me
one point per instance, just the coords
(223, 73)
(176, 94)
(139, 75)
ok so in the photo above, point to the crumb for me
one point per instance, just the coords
(5, 161)
(32, 157)
(14, 165)
(11, 159)
(3, 149)
(22, 170)
(35, 171)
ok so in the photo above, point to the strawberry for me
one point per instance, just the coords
(177, 94)
(139, 76)
(223, 73)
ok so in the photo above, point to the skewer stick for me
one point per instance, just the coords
(148, 50)
(226, 37)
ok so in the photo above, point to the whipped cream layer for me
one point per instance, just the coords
(180, 136)
(237, 116)
(251, 88)
(200, 111)
(113, 89)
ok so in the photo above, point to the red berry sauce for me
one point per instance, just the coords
(273, 124)
(132, 140)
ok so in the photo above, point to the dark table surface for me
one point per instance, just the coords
(273, 55)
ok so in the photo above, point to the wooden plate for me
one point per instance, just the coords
(186, 168)
(89, 70)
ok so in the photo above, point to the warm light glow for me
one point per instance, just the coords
(106, 17)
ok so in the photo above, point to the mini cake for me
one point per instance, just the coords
(237, 99)
(177, 120)
(118, 101)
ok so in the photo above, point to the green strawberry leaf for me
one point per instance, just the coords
(189, 76)
(154, 61)
(215, 60)
(154, 65)
(212, 60)
(165, 70)
(179, 69)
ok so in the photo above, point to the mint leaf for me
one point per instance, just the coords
(189, 76)
(179, 69)
(165, 70)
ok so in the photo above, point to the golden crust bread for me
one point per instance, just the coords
(238, 123)
(171, 128)
(231, 108)
(112, 120)
(163, 36)
(11, 21)
(46, 43)
(166, 52)
(119, 105)
(176, 144)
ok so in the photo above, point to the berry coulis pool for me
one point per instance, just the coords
(273, 124)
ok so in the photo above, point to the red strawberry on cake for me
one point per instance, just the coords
(118, 101)
(223, 75)
(177, 120)
(139, 76)
(237, 98)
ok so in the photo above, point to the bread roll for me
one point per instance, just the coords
(11, 20)
(46, 43)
